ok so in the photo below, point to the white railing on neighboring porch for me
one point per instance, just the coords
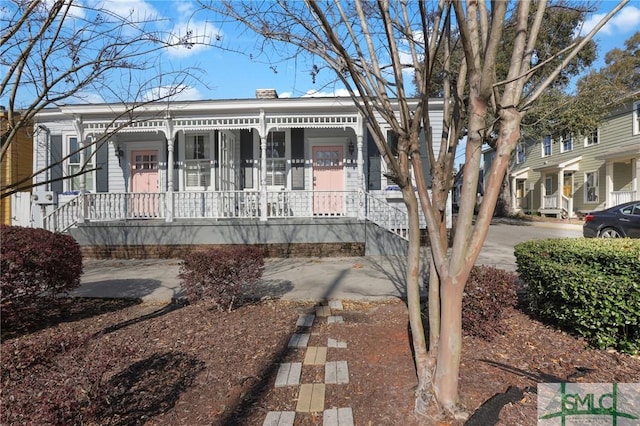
(619, 197)
(550, 202)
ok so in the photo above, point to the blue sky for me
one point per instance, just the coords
(231, 76)
(226, 75)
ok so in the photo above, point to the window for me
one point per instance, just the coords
(567, 142)
(636, 118)
(520, 157)
(633, 209)
(276, 159)
(392, 141)
(548, 185)
(592, 138)
(546, 146)
(74, 166)
(197, 162)
(591, 187)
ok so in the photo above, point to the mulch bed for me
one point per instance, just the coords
(193, 365)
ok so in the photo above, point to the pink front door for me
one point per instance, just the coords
(144, 171)
(145, 184)
(328, 180)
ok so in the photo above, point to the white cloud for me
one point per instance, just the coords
(625, 21)
(199, 35)
(182, 93)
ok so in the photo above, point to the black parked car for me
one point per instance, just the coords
(619, 221)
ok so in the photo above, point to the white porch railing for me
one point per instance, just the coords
(619, 197)
(383, 214)
(550, 202)
(202, 205)
(226, 204)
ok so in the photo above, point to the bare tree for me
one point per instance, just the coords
(376, 50)
(66, 51)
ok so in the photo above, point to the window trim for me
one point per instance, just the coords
(90, 179)
(547, 139)
(520, 152)
(190, 164)
(589, 138)
(636, 118)
(586, 188)
(566, 142)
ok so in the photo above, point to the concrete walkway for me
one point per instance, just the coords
(315, 279)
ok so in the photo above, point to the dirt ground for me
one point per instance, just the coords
(193, 365)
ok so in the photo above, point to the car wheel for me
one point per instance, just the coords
(610, 233)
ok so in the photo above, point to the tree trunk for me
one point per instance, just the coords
(449, 348)
(413, 302)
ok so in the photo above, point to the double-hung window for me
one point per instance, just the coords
(591, 187)
(74, 166)
(591, 138)
(567, 142)
(276, 159)
(546, 146)
(520, 153)
(197, 162)
(636, 118)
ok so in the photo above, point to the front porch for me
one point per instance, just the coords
(92, 216)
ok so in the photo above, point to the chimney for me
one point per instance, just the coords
(266, 94)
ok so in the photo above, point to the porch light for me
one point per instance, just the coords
(351, 147)
(119, 152)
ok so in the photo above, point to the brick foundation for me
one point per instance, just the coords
(282, 250)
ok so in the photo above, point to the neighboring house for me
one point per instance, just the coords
(568, 175)
(273, 171)
(17, 165)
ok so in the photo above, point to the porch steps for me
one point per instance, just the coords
(310, 398)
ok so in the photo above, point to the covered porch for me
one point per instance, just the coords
(558, 188)
(622, 174)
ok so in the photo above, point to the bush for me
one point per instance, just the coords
(34, 263)
(223, 275)
(588, 287)
(489, 293)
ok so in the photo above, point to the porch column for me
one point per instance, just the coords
(263, 176)
(635, 176)
(608, 183)
(77, 123)
(170, 161)
(560, 190)
(514, 193)
(361, 181)
(169, 194)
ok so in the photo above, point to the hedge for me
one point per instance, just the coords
(586, 286)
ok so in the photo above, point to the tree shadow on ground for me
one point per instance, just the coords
(147, 388)
(489, 412)
(49, 312)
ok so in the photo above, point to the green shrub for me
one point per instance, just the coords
(223, 275)
(489, 293)
(35, 263)
(588, 287)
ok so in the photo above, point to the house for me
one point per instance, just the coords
(568, 175)
(296, 175)
(16, 167)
